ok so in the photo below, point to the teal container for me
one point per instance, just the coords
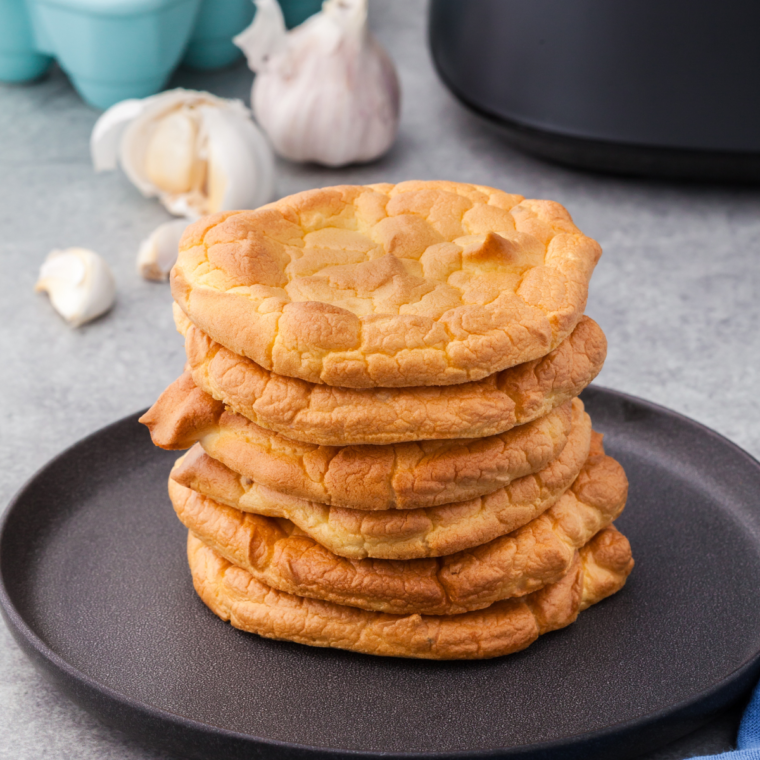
(20, 58)
(297, 11)
(118, 49)
(211, 45)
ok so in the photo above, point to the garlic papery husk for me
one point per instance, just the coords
(325, 91)
(79, 283)
(196, 152)
(158, 251)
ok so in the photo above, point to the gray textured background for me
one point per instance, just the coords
(676, 292)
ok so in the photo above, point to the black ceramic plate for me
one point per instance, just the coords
(95, 588)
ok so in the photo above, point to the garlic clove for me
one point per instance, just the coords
(166, 148)
(329, 93)
(158, 251)
(137, 137)
(108, 131)
(240, 162)
(79, 283)
(171, 156)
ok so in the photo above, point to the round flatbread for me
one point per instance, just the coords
(394, 534)
(396, 476)
(421, 283)
(278, 555)
(331, 416)
(232, 593)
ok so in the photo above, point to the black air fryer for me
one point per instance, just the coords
(653, 87)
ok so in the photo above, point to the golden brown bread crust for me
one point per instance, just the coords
(182, 415)
(331, 416)
(395, 476)
(421, 283)
(597, 571)
(394, 534)
(539, 553)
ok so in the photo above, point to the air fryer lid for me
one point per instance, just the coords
(681, 74)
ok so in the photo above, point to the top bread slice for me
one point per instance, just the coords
(421, 283)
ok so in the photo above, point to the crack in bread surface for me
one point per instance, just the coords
(421, 283)
(597, 571)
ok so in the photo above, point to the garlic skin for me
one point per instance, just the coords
(194, 151)
(158, 251)
(79, 283)
(326, 91)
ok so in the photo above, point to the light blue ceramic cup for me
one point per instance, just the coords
(118, 49)
(115, 49)
(20, 60)
(211, 45)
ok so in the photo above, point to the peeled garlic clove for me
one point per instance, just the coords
(158, 251)
(196, 152)
(79, 283)
(135, 143)
(325, 91)
(171, 160)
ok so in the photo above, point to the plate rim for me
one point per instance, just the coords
(51, 664)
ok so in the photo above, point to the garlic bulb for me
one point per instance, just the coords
(196, 152)
(325, 91)
(79, 283)
(158, 251)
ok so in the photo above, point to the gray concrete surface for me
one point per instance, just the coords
(676, 291)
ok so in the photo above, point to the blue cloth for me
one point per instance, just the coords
(748, 741)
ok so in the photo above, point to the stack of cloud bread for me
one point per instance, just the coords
(387, 452)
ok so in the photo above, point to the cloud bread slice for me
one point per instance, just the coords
(539, 553)
(421, 283)
(339, 416)
(394, 534)
(395, 476)
(597, 571)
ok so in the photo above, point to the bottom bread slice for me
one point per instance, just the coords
(599, 569)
